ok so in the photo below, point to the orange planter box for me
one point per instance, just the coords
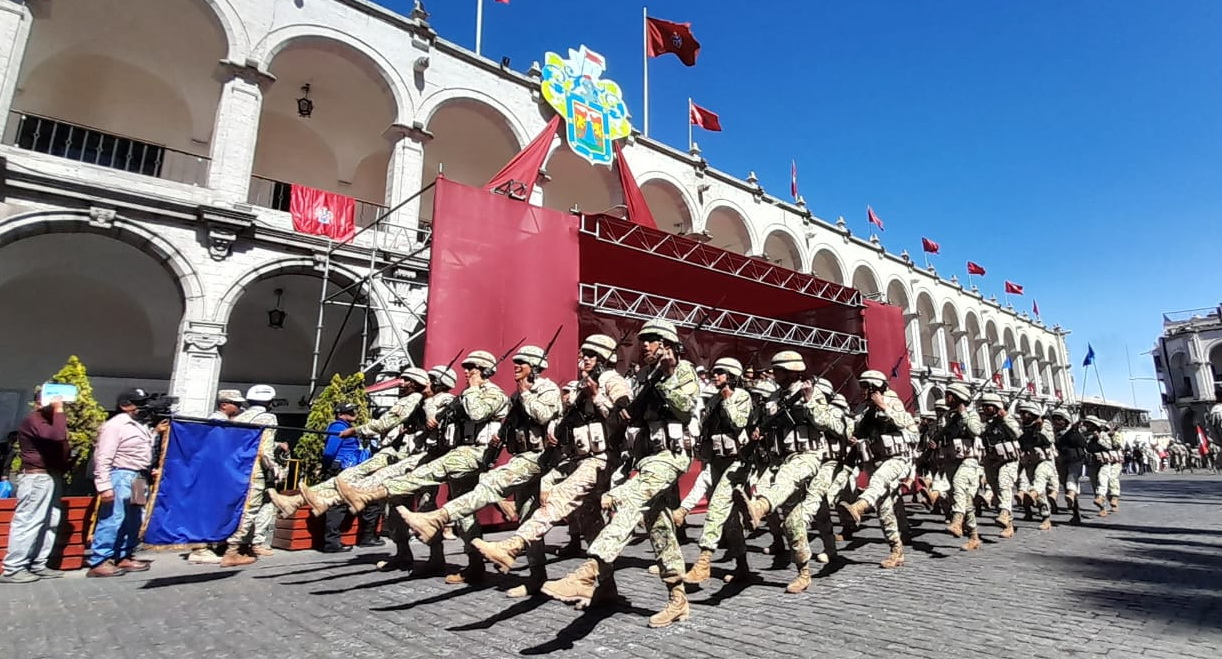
(70, 548)
(305, 531)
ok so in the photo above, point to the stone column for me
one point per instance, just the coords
(236, 131)
(197, 367)
(15, 20)
(404, 177)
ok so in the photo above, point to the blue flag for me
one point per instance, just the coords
(1008, 363)
(204, 482)
(1090, 356)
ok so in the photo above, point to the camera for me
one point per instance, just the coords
(157, 408)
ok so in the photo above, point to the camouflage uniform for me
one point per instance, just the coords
(821, 494)
(256, 494)
(1036, 443)
(960, 448)
(1001, 463)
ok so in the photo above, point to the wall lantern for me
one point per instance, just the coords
(275, 317)
(305, 107)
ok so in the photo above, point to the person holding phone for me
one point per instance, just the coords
(45, 457)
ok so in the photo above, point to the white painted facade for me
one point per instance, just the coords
(212, 86)
(1188, 362)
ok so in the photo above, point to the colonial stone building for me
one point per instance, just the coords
(149, 146)
(1188, 361)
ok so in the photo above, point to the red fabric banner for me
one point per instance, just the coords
(524, 168)
(930, 246)
(974, 268)
(873, 218)
(634, 199)
(1013, 289)
(322, 213)
(888, 347)
(667, 37)
(705, 119)
(956, 369)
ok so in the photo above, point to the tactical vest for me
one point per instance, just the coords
(997, 441)
(1033, 446)
(955, 442)
(718, 434)
(519, 432)
(878, 437)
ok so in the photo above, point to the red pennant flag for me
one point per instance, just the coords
(323, 213)
(997, 378)
(667, 37)
(793, 179)
(930, 246)
(1035, 307)
(634, 199)
(703, 118)
(956, 369)
(974, 268)
(874, 218)
(1202, 441)
(1013, 289)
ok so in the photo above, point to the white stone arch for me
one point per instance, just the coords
(1012, 376)
(952, 329)
(930, 394)
(430, 105)
(234, 28)
(279, 39)
(1183, 384)
(1213, 352)
(826, 265)
(865, 279)
(724, 211)
(657, 182)
(927, 319)
(977, 346)
(296, 265)
(778, 237)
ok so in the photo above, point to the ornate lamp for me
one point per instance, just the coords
(275, 317)
(305, 107)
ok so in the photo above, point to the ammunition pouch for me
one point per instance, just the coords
(1007, 451)
(888, 446)
(524, 439)
(725, 445)
(589, 439)
(1072, 455)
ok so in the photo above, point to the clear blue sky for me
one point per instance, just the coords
(1071, 146)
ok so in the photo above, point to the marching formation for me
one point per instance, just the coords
(781, 453)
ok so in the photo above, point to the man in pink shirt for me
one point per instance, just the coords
(123, 454)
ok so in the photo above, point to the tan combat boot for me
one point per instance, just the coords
(286, 506)
(427, 525)
(956, 525)
(679, 516)
(1008, 531)
(503, 553)
(676, 609)
(1114, 502)
(317, 506)
(742, 571)
(1100, 505)
(973, 543)
(577, 587)
(260, 550)
(856, 509)
(701, 569)
(800, 582)
(235, 558)
(358, 498)
(473, 573)
(538, 576)
(509, 509)
(1046, 525)
(895, 559)
(1004, 518)
(605, 593)
(757, 509)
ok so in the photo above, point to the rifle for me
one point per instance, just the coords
(784, 410)
(708, 313)
(517, 416)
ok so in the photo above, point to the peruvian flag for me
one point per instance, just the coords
(1013, 289)
(1031, 387)
(322, 213)
(704, 118)
(793, 179)
(874, 218)
(974, 268)
(956, 369)
(1035, 307)
(1202, 441)
(930, 246)
(997, 378)
(666, 37)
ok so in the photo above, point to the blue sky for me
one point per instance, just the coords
(1070, 146)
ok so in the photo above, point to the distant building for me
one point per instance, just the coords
(1132, 423)
(1188, 360)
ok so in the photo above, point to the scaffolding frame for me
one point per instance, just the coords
(627, 303)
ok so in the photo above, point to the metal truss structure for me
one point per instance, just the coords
(677, 248)
(626, 303)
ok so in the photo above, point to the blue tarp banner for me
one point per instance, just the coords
(204, 482)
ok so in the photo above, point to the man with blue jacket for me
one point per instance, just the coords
(339, 454)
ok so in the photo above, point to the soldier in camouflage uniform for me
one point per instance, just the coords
(1106, 458)
(467, 426)
(665, 398)
(524, 433)
(1071, 455)
(885, 434)
(1000, 463)
(239, 550)
(1036, 460)
(959, 447)
(723, 437)
(590, 426)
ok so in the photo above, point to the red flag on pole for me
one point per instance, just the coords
(956, 369)
(1202, 441)
(1031, 387)
(1035, 307)
(667, 37)
(974, 268)
(323, 213)
(634, 199)
(997, 378)
(704, 118)
(874, 218)
(793, 179)
(930, 246)
(1013, 289)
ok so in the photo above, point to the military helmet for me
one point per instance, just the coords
(230, 396)
(261, 393)
(840, 401)
(764, 388)
(1061, 413)
(993, 399)
(661, 328)
(1029, 407)
(444, 376)
(417, 375)
(729, 365)
(480, 359)
(824, 385)
(532, 356)
(929, 415)
(571, 386)
(959, 391)
(789, 360)
(1095, 421)
(344, 408)
(601, 345)
(940, 405)
(875, 378)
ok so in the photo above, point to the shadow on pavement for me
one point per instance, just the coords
(186, 579)
(581, 627)
(521, 607)
(407, 606)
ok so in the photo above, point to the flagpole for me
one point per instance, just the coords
(479, 24)
(689, 124)
(645, 66)
(969, 279)
(1085, 370)
(1099, 379)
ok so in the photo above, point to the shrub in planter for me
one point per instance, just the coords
(309, 448)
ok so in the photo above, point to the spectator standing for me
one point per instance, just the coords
(122, 457)
(45, 457)
(339, 454)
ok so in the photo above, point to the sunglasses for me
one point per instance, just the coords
(718, 371)
(588, 354)
(469, 367)
(650, 338)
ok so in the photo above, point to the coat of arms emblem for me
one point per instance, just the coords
(593, 108)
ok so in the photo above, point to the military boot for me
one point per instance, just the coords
(973, 542)
(757, 509)
(605, 593)
(286, 506)
(426, 525)
(1008, 531)
(701, 569)
(956, 525)
(856, 509)
(235, 558)
(436, 564)
(1028, 503)
(472, 574)
(1075, 513)
(1052, 502)
(679, 516)
(895, 559)
(358, 498)
(578, 586)
(1046, 525)
(676, 609)
(317, 505)
(1100, 505)
(800, 582)
(1004, 518)
(1114, 502)
(538, 576)
(503, 553)
(742, 571)
(931, 498)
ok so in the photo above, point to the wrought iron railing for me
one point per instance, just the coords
(95, 147)
(932, 361)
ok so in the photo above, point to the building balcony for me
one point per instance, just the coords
(278, 195)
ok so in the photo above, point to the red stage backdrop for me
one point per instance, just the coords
(884, 326)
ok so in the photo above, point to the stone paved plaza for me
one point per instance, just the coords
(1146, 582)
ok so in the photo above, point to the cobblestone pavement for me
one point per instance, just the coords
(1145, 582)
